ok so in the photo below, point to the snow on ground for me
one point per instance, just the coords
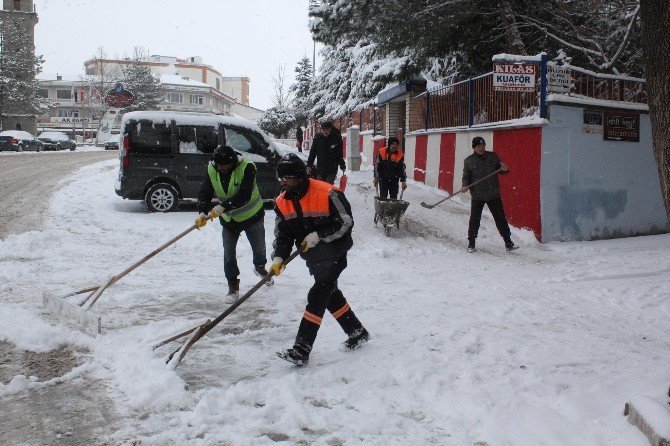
(540, 346)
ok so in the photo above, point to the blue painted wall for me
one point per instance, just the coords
(595, 189)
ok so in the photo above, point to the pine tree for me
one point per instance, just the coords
(139, 80)
(278, 121)
(18, 67)
(370, 43)
(304, 74)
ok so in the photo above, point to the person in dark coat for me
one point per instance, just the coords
(389, 169)
(327, 151)
(315, 217)
(475, 167)
(298, 138)
(232, 179)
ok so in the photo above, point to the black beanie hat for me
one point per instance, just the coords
(477, 140)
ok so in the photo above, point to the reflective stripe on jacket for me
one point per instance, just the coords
(319, 207)
(244, 212)
(390, 165)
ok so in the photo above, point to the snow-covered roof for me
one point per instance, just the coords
(17, 134)
(173, 79)
(55, 136)
(186, 118)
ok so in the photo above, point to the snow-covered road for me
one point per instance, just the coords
(540, 346)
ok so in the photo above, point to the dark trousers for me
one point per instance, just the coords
(323, 295)
(388, 186)
(256, 235)
(496, 208)
(327, 177)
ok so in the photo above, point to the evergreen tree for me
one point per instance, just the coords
(18, 67)
(304, 73)
(278, 121)
(139, 80)
(376, 42)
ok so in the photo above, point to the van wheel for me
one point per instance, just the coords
(162, 197)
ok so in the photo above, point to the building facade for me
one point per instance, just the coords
(74, 108)
(189, 68)
(18, 15)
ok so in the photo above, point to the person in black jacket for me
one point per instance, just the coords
(475, 167)
(316, 218)
(298, 138)
(327, 150)
(240, 209)
(389, 169)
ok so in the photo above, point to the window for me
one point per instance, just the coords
(175, 98)
(149, 138)
(197, 99)
(198, 139)
(64, 94)
(218, 84)
(244, 140)
(43, 93)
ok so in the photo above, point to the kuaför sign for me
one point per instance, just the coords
(513, 77)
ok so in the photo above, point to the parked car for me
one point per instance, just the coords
(112, 143)
(18, 141)
(56, 141)
(164, 155)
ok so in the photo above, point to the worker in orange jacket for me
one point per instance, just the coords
(315, 217)
(389, 169)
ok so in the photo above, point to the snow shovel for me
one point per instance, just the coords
(61, 306)
(198, 332)
(431, 206)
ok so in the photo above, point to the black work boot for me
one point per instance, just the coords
(294, 356)
(299, 354)
(471, 247)
(233, 289)
(509, 245)
(260, 271)
(357, 339)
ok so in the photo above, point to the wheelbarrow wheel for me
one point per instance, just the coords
(387, 230)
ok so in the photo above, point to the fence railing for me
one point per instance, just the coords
(475, 101)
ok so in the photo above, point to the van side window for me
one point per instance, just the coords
(245, 140)
(149, 138)
(197, 139)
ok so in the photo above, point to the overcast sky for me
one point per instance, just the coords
(237, 37)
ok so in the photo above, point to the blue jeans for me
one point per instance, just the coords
(256, 236)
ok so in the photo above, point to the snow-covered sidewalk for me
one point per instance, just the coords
(540, 346)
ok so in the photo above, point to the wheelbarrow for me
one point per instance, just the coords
(388, 212)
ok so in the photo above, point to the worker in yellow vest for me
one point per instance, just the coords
(232, 180)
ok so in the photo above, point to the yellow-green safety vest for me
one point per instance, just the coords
(251, 207)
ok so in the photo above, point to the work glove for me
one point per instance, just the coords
(343, 166)
(375, 182)
(201, 220)
(217, 211)
(310, 241)
(277, 266)
(404, 186)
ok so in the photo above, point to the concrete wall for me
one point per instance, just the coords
(435, 158)
(592, 188)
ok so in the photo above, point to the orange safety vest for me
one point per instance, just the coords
(313, 204)
(384, 154)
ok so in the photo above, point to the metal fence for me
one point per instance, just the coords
(474, 101)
